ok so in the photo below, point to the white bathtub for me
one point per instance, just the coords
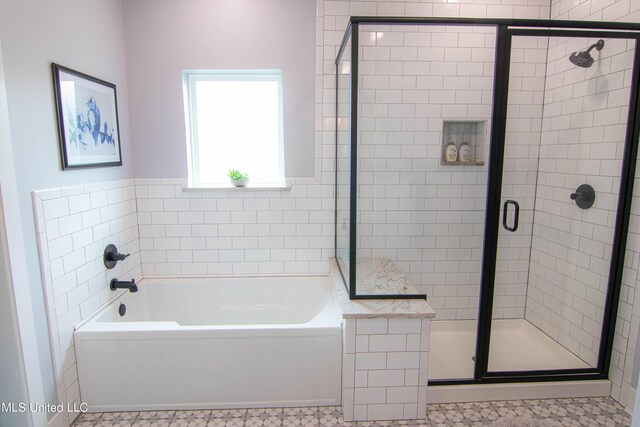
(213, 343)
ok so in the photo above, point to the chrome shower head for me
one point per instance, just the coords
(583, 58)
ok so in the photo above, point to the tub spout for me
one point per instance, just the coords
(118, 284)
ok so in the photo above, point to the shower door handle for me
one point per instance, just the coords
(516, 215)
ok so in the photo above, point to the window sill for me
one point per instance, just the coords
(231, 188)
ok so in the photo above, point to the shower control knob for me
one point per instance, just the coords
(112, 256)
(584, 196)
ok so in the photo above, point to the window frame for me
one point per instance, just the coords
(190, 78)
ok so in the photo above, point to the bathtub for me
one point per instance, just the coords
(213, 343)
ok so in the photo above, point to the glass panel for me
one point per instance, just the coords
(421, 217)
(343, 159)
(565, 128)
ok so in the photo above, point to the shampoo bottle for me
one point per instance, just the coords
(451, 152)
(464, 154)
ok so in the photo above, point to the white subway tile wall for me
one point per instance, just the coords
(611, 90)
(74, 225)
(185, 233)
(384, 369)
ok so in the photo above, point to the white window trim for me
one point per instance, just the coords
(189, 78)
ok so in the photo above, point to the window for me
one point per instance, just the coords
(234, 121)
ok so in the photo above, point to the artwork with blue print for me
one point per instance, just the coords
(87, 128)
(88, 120)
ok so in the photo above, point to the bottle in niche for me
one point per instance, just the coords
(451, 152)
(464, 153)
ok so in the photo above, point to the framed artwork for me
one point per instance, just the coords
(87, 113)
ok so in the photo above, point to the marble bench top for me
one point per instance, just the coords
(378, 276)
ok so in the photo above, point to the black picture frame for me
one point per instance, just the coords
(87, 115)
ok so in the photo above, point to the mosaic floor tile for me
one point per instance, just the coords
(301, 421)
(306, 411)
(375, 424)
(184, 422)
(229, 413)
(225, 422)
(103, 423)
(192, 415)
(263, 421)
(330, 421)
(335, 411)
(89, 416)
(156, 415)
(151, 423)
(116, 417)
(410, 423)
(524, 422)
(596, 412)
(264, 412)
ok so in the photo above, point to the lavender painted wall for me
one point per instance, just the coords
(82, 35)
(163, 37)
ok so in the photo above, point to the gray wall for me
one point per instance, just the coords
(82, 35)
(11, 375)
(163, 37)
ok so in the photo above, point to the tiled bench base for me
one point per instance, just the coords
(384, 371)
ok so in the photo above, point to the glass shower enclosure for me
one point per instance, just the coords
(491, 162)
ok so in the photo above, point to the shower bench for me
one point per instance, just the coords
(385, 345)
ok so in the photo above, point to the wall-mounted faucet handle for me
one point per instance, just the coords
(112, 256)
(120, 257)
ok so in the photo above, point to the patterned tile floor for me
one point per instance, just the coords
(550, 413)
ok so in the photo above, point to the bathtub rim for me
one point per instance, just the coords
(105, 306)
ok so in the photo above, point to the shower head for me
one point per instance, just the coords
(583, 58)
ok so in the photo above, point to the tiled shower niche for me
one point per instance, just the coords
(459, 132)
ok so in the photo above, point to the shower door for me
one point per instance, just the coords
(560, 163)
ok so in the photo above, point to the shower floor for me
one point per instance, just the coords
(516, 345)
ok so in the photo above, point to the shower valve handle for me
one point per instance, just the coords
(584, 196)
(112, 256)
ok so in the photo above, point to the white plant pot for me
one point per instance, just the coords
(239, 182)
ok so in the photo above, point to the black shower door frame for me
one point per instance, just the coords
(506, 29)
(482, 374)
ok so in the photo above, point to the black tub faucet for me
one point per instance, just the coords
(118, 284)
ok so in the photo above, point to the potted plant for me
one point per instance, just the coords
(238, 179)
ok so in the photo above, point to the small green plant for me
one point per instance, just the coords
(236, 175)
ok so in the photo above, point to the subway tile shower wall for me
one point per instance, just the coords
(427, 216)
(582, 142)
(74, 225)
(604, 107)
